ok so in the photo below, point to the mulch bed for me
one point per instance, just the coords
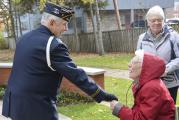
(6, 55)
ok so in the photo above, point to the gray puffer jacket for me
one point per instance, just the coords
(166, 45)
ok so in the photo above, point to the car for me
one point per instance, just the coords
(139, 24)
(172, 21)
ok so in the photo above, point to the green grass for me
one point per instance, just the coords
(113, 61)
(110, 60)
(119, 87)
(2, 42)
(90, 111)
(95, 111)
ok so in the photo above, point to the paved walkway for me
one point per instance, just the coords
(0, 107)
(117, 73)
(109, 72)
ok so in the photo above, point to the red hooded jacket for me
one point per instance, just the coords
(152, 100)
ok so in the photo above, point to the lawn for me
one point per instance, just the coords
(95, 111)
(119, 87)
(112, 60)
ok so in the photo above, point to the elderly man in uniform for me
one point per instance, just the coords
(40, 62)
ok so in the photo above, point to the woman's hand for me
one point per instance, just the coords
(112, 104)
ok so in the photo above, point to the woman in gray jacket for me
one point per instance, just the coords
(163, 41)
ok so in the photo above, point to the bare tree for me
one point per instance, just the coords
(94, 27)
(100, 39)
(76, 33)
(7, 16)
(4, 15)
(117, 13)
(12, 20)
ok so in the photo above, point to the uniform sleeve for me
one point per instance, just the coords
(174, 64)
(147, 108)
(64, 65)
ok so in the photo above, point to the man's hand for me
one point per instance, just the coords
(110, 97)
(104, 96)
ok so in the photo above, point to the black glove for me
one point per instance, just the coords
(110, 97)
(104, 96)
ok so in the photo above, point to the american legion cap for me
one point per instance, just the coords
(60, 11)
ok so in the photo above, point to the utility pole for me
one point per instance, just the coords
(117, 14)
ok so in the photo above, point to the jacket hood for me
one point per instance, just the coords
(152, 68)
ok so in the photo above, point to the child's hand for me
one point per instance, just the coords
(112, 104)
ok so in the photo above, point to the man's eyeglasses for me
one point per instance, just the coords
(156, 20)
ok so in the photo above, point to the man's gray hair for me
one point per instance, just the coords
(155, 11)
(46, 17)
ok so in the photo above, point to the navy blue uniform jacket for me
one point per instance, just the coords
(32, 86)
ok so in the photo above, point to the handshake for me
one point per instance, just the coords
(104, 96)
(114, 104)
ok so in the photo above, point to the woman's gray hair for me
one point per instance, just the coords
(46, 17)
(155, 11)
(139, 55)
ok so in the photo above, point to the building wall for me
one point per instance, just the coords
(173, 12)
(140, 4)
(108, 16)
(88, 24)
(109, 22)
(139, 7)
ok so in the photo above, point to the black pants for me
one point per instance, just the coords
(173, 93)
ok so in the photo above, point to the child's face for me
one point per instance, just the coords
(135, 67)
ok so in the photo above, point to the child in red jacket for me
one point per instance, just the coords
(152, 100)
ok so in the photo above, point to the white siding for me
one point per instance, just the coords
(140, 4)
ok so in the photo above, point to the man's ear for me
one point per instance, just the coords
(52, 22)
